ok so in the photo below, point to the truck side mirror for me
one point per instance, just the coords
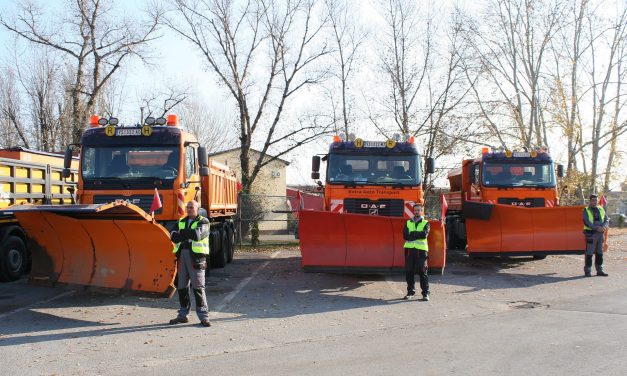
(471, 174)
(203, 157)
(430, 164)
(315, 167)
(67, 162)
(560, 171)
(203, 160)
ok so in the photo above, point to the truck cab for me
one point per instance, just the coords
(372, 177)
(514, 178)
(129, 162)
(525, 179)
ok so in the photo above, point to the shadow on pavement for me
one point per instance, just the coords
(112, 329)
(279, 289)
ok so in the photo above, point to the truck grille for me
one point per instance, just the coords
(536, 202)
(388, 208)
(143, 201)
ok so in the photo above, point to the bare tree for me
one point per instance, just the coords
(603, 131)
(158, 101)
(510, 41)
(421, 61)
(445, 127)
(615, 126)
(348, 39)
(404, 66)
(214, 129)
(93, 39)
(593, 52)
(40, 80)
(565, 95)
(11, 107)
(263, 52)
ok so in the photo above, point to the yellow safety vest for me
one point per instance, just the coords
(420, 244)
(591, 216)
(201, 246)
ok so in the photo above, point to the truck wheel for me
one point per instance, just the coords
(539, 257)
(230, 235)
(12, 259)
(218, 254)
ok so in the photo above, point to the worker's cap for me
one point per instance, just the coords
(593, 196)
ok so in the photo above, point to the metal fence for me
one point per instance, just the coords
(266, 219)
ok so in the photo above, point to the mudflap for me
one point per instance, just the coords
(517, 231)
(360, 243)
(111, 246)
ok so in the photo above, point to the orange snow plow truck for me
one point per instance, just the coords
(506, 204)
(370, 190)
(108, 240)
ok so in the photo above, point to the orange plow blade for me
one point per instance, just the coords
(511, 230)
(109, 246)
(360, 243)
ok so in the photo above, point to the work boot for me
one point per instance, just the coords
(179, 320)
(408, 297)
(425, 297)
(602, 274)
(588, 274)
(205, 323)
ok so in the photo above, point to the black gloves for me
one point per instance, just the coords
(176, 237)
(181, 235)
(188, 234)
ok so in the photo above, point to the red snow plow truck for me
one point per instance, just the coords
(371, 187)
(506, 204)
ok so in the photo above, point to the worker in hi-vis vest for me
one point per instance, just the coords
(191, 247)
(595, 223)
(416, 253)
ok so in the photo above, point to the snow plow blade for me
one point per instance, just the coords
(502, 230)
(110, 246)
(358, 243)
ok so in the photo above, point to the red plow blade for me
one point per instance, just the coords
(360, 243)
(514, 230)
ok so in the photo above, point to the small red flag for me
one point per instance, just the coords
(156, 202)
(444, 207)
(603, 201)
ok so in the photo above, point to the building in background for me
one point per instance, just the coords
(267, 201)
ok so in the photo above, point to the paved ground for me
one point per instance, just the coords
(487, 316)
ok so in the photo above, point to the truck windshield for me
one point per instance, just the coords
(374, 169)
(518, 174)
(130, 162)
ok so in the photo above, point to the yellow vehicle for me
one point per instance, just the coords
(27, 177)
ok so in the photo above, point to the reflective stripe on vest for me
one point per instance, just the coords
(591, 216)
(420, 244)
(201, 246)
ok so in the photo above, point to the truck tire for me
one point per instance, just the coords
(230, 235)
(218, 254)
(453, 240)
(13, 262)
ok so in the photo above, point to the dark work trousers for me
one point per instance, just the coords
(187, 275)
(414, 261)
(594, 246)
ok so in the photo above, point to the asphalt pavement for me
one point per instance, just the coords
(487, 316)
